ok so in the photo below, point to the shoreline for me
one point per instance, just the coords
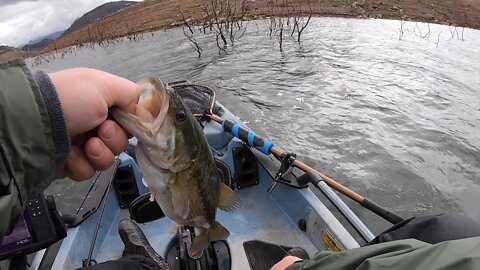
(154, 15)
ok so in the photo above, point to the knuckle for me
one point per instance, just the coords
(82, 174)
(121, 147)
(99, 111)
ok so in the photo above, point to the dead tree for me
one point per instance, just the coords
(304, 25)
(301, 24)
(427, 35)
(190, 36)
(224, 18)
(402, 31)
(438, 38)
(280, 34)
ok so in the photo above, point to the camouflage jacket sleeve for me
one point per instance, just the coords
(401, 254)
(34, 142)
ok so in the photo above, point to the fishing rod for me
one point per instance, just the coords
(267, 147)
(88, 261)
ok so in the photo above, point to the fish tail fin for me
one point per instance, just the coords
(200, 242)
(218, 232)
(229, 200)
(203, 239)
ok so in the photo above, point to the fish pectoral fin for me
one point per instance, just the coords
(180, 202)
(229, 200)
(202, 240)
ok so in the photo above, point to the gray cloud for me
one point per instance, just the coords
(13, 2)
(24, 20)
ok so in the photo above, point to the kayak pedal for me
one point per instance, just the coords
(181, 257)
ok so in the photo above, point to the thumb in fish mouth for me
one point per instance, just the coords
(151, 108)
(152, 99)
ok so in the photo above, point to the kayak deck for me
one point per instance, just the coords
(258, 219)
(270, 217)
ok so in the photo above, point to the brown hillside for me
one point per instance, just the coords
(156, 14)
(8, 53)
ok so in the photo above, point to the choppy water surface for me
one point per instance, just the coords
(395, 120)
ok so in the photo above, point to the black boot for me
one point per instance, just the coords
(299, 253)
(136, 243)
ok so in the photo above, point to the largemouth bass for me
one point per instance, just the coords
(176, 161)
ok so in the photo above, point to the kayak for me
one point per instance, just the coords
(279, 211)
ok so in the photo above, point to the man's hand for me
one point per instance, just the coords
(86, 95)
(285, 262)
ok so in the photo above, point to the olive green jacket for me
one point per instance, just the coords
(409, 254)
(31, 120)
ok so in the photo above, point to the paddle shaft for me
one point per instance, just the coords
(251, 139)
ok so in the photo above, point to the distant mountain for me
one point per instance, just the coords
(42, 42)
(96, 14)
(52, 36)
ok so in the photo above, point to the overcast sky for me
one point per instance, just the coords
(25, 20)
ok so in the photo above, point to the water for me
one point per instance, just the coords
(392, 117)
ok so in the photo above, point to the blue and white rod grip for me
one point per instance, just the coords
(248, 136)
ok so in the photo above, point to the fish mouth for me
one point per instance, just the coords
(154, 103)
(151, 111)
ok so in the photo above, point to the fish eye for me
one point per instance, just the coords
(181, 116)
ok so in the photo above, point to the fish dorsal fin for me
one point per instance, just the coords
(229, 201)
(180, 202)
